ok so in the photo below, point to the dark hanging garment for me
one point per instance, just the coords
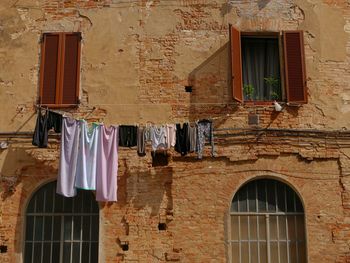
(40, 135)
(182, 139)
(54, 122)
(127, 135)
(141, 142)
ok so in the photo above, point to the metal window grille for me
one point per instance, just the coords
(60, 229)
(267, 224)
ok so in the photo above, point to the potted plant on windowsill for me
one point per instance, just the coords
(273, 84)
(248, 93)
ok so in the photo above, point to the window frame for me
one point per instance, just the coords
(60, 70)
(62, 216)
(274, 35)
(236, 65)
(267, 215)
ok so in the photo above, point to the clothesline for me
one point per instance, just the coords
(89, 154)
(64, 114)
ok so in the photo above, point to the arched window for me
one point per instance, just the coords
(267, 224)
(60, 229)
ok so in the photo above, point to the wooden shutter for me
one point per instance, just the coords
(49, 68)
(294, 66)
(71, 68)
(236, 64)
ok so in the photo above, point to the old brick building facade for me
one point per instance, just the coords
(136, 59)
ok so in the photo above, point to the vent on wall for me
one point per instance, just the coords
(3, 249)
(253, 119)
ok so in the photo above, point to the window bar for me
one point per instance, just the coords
(52, 241)
(61, 239)
(239, 228)
(267, 227)
(43, 229)
(277, 224)
(295, 227)
(53, 219)
(248, 226)
(239, 239)
(257, 220)
(72, 238)
(34, 223)
(90, 235)
(296, 238)
(267, 217)
(266, 203)
(286, 218)
(278, 239)
(81, 238)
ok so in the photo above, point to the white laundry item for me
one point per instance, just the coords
(87, 156)
(170, 135)
(158, 138)
(68, 157)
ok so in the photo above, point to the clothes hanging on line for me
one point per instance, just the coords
(127, 135)
(54, 121)
(40, 136)
(107, 164)
(68, 158)
(141, 142)
(170, 135)
(182, 145)
(158, 138)
(44, 123)
(87, 156)
(204, 132)
(192, 136)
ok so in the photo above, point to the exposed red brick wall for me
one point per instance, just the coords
(192, 197)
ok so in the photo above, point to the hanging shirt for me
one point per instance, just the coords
(107, 164)
(127, 135)
(54, 121)
(204, 132)
(158, 137)
(87, 156)
(147, 134)
(68, 158)
(170, 135)
(182, 141)
(141, 143)
(40, 136)
(192, 135)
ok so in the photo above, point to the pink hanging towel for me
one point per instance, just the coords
(107, 164)
(68, 158)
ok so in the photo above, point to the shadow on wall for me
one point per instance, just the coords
(211, 86)
(150, 189)
(16, 161)
(262, 3)
(154, 192)
(21, 174)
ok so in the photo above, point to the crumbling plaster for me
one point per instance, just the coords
(137, 57)
(122, 43)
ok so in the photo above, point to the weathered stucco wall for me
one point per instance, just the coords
(137, 56)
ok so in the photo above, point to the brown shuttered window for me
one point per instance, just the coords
(294, 66)
(236, 65)
(49, 73)
(262, 71)
(60, 67)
